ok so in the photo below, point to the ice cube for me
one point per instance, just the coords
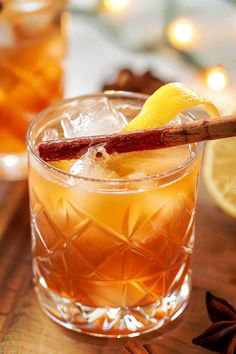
(91, 166)
(88, 168)
(100, 117)
(176, 121)
(50, 134)
(32, 24)
(31, 17)
(67, 126)
(7, 37)
(181, 118)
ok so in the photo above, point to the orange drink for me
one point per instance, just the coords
(31, 56)
(112, 235)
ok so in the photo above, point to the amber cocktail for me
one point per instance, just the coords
(31, 56)
(113, 235)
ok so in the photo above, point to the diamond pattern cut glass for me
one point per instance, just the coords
(111, 257)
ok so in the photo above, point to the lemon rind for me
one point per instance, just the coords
(211, 187)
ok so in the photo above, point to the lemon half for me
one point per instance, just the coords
(219, 173)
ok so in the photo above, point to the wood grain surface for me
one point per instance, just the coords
(24, 329)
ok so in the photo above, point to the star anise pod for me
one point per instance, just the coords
(129, 80)
(221, 335)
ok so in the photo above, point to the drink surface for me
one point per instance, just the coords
(31, 54)
(126, 243)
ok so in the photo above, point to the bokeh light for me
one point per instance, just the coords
(116, 6)
(216, 78)
(181, 33)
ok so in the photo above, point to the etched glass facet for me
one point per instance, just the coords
(112, 256)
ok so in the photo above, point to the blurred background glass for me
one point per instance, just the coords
(32, 51)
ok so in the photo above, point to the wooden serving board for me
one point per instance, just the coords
(24, 329)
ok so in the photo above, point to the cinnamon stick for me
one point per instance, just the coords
(133, 346)
(151, 139)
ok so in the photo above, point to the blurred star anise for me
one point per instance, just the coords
(221, 335)
(129, 80)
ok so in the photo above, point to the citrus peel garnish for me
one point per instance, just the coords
(166, 103)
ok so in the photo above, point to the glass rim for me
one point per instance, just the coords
(43, 3)
(126, 180)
